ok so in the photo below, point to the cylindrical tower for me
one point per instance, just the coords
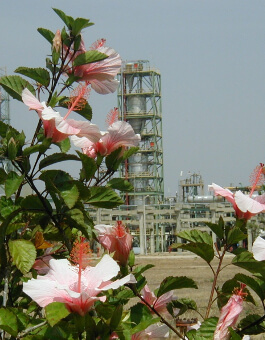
(139, 103)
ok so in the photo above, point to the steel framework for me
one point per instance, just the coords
(139, 103)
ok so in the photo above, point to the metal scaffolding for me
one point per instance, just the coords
(139, 103)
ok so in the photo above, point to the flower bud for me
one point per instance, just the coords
(57, 41)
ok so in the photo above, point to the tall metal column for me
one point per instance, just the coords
(139, 103)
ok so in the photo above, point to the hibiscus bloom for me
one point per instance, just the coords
(100, 74)
(57, 127)
(258, 249)
(115, 239)
(159, 304)
(229, 314)
(152, 332)
(79, 292)
(245, 206)
(119, 134)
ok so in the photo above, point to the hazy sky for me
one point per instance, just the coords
(211, 55)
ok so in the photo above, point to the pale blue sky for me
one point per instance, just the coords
(211, 55)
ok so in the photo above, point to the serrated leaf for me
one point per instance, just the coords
(253, 319)
(14, 85)
(79, 24)
(207, 328)
(12, 183)
(23, 253)
(116, 317)
(233, 334)
(235, 235)
(88, 57)
(85, 111)
(203, 250)
(55, 312)
(47, 34)
(218, 229)
(196, 236)
(140, 313)
(89, 166)
(245, 260)
(76, 219)
(8, 321)
(140, 269)
(103, 197)
(114, 160)
(131, 151)
(120, 184)
(3, 175)
(65, 18)
(56, 158)
(64, 145)
(175, 282)
(33, 203)
(40, 75)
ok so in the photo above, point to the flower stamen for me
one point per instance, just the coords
(257, 178)
(78, 98)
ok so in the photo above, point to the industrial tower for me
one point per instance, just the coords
(4, 115)
(139, 103)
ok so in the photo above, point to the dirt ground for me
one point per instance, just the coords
(189, 265)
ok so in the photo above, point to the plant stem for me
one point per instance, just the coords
(214, 283)
(28, 330)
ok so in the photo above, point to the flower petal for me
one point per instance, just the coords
(246, 203)
(258, 249)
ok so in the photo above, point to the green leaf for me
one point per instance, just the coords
(3, 175)
(8, 321)
(40, 75)
(79, 24)
(141, 317)
(218, 229)
(33, 203)
(183, 305)
(116, 317)
(207, 328)
(41, 148)
(196, 236)
(131, 259)
(47, 34)
(141, 269)
(64, 145)
(120, 184)
(175, 282)
(203, 250)
(89, 166)
(14, 85)
(103, 197)
(23, 253)
(233, 334)
(62, 183)
(88, 57)
(56, 158)
(75, 218)
(131, 151)
(245, 260)
(257, 328)
(235, 235)
(55, 312)
(12, 183)
(6, 223)
(65, 18)
(114, 160)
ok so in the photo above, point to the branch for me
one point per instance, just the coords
(28, 330)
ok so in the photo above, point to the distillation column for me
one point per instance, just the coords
(139, 103)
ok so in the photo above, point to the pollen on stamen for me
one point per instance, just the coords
(112, 116)
(257, 177)
(81, 253)
(120, 229)
(78, 98)
(240, 291)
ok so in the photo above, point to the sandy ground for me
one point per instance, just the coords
(189, 265)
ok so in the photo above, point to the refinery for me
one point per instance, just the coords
(153, 219)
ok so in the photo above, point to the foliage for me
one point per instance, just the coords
(49, 221)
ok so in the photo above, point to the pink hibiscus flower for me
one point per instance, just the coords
(100, 74)
(152, 332)
(258, 249)
(79, 292)
(115, 239)
(160, 304)
(57, 127)
(245, 206)
(119, 134)
(229, 314)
